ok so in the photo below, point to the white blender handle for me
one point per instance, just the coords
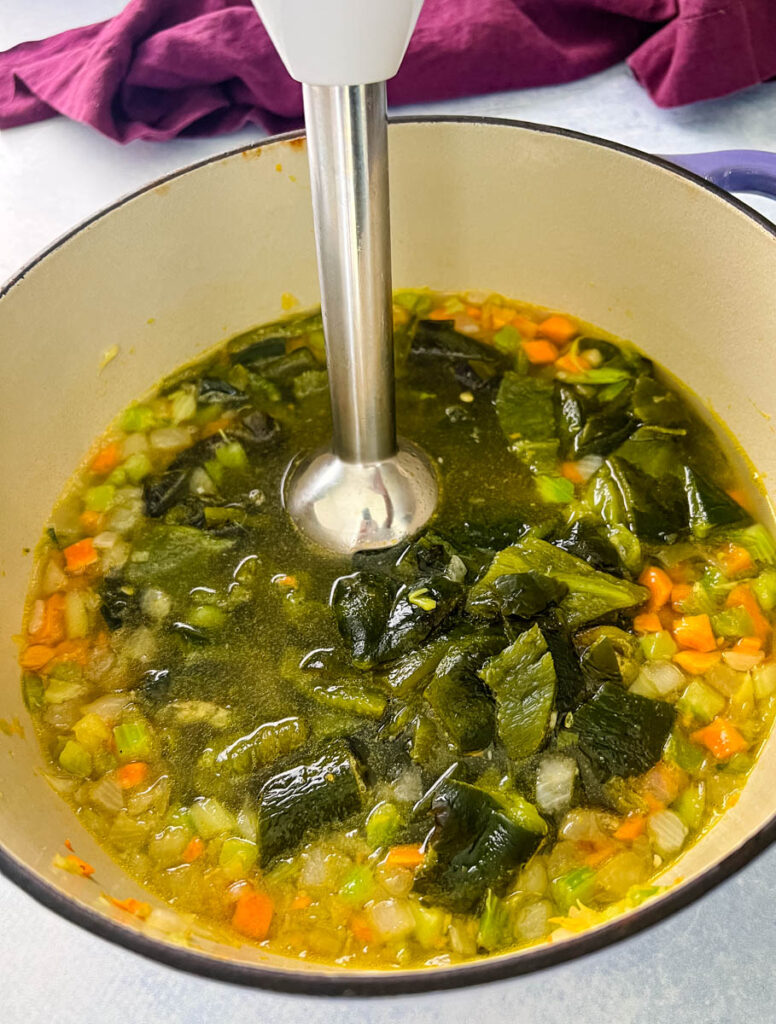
(340, 42)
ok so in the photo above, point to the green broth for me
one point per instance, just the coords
(317, 753)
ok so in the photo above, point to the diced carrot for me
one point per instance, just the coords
(743, 597)
(526, 327)
(80, 556)
(679, 594)
(696, 662)
(36, 656)
(253, 915)
(91, 521)
(748, 645)
(301, 901)
(216, 426)
(193, 850)
(51, 629)
(653, 803)
(659, 585)
(540, 352)
(132, 906)
(694, 631)
(572, 363)
(69, 846)
(360, 928)
(602, 850)
(631, 828)
(285, 581)
(72, 650)
(440, 314)
(721, 738)
(78, 866)
(558, 329)
(647, 622)
(739, 497)
(405, 857)
(130, 775)
(735, 559)
(473, 312)
(571, 472)
(106, 459)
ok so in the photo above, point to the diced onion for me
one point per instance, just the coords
(588, 465)
(104, 541)
(134, 444)
(53, 578)
(397, 881)
(555, 783)
(533, 920)
(667, 832)
(663, 676)
(201, 482)
(156, 797)
(107, 794)
(764, 679)
(108, 707)
(155, 604)
(392, 919)
(740, 661)
(170, 439)
(725, 679)
(408, 788)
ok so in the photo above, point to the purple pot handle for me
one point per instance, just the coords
(735, 170)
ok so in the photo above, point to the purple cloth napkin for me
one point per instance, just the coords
(163, 68)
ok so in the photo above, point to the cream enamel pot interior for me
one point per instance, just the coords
(620, 239)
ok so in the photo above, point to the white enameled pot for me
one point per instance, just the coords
(616, 237)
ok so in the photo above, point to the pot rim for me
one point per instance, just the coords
(385, 983)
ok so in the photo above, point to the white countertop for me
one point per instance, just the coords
(710, 964)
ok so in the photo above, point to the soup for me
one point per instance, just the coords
(500, 732)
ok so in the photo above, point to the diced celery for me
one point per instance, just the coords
(382, 824)
(60, 690)
(68, 672)
(658, 646)
(207, 413)
(215, 471)
(137, 467)
(207, 616)
(133, 741)
(738, 764)
(100, 498)
(309, 383)
(422, 598)
(431, 923)
(555, 489)
(507, 340)
(764, 680)
(33, 691)
(210, 818)
(118, 476)
(223, 514)
(733, 623)
(91, 732)
(232, 455)
(76, 759)
(691, 804)
(494, 928)
(76, 615)
(764, 588)
(419, 303)
(358, 885)
(683, 753)
(239, 377)
(574, 887)
(238, 856)
(700, 701)
(758, 542)
(138, 417)
(742, 702)
(640, 894)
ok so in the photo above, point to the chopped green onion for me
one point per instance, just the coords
(76, 759)
(133, 741)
